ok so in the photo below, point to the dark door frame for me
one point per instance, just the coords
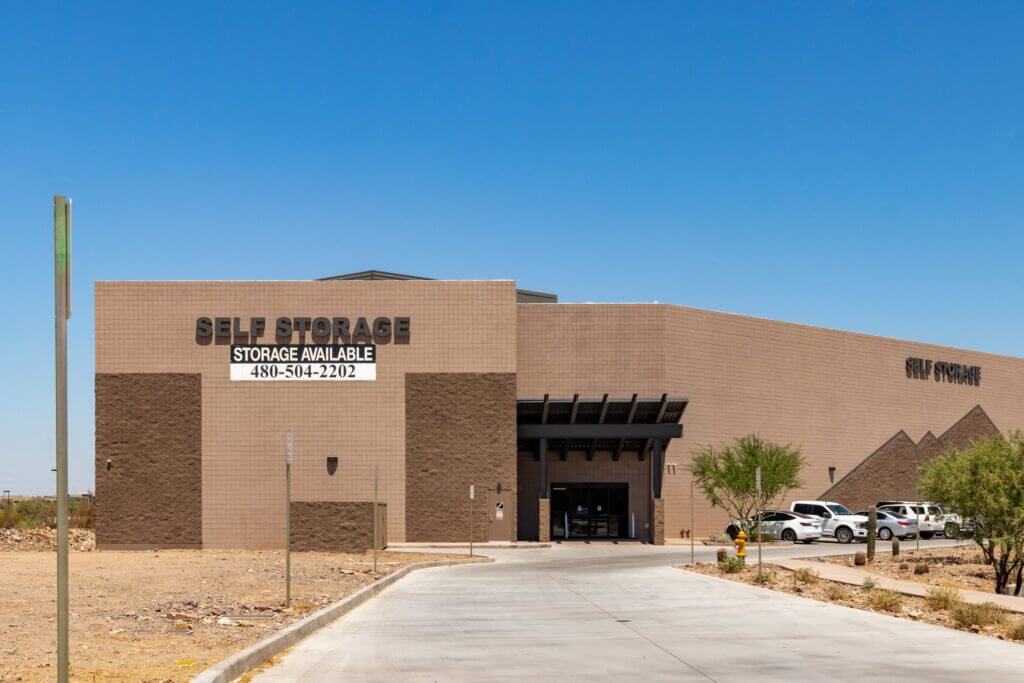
(589, 487)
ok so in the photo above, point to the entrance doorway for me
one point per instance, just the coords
(586, 511)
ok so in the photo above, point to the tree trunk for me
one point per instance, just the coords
(1020, 576)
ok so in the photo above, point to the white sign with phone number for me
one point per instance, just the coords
(303, 362)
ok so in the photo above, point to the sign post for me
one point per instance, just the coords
(691, 520)
(760, 518)
(288, 519)
(376, 517)
(61, 313)
(472, 495)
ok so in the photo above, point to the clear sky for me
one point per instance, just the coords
(854, 165)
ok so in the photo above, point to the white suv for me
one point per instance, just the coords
(932, 520)
(836, 520)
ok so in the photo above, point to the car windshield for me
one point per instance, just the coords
(838, 509)
(936, 510)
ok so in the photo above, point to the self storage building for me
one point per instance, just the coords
(568, 420)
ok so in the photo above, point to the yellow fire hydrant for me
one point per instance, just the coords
(741, 545)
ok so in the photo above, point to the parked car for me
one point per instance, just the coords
(836, 520)
(782, 525)
(955, 526)
(891, 524)
(930, 514)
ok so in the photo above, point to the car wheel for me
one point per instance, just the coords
(885, 533)
(926, 535)
(789, 536)
(952, 530)
(844, 535)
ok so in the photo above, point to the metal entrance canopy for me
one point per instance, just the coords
(605, 424)
(598, 424)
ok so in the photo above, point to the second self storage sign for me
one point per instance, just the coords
(303, 362)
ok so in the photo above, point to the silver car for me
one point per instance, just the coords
(890, 524)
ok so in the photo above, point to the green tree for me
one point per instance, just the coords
(727, 475)
(985, 481)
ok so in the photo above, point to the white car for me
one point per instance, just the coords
(932, 520)
(782, 525)
(836, 520)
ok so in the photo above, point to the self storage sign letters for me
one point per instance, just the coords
(303, 362)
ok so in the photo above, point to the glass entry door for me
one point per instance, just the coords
(585, 511)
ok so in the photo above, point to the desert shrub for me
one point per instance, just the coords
(885, 600)
(966, 615)
(1016, 631)
(722, 554)
(766, 577)
(943, 598)
(719, 538)
(83, 514)
(921, 568)
(904, 566)
(805, 575)
(869, 584)
(754, 536)
(836, 591)
(731, 565)
(36, 512)
(9, 517)
(860, 559)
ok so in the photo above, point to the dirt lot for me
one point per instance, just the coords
(961, 567)
(167, 615)
(951, 614)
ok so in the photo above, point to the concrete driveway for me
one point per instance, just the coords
(621, 612)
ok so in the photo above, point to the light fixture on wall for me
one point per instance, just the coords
(831, 474)
(332, 464)
(670, 467)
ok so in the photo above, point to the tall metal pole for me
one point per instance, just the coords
(62, 311)
(288, 521)
(692, 534)
(760, 520)
(376, 516)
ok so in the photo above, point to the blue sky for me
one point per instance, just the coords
(852, 165)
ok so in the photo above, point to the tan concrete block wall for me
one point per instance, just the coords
(150, 327)
(836, 395)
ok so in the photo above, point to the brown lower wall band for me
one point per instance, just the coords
(149, 445)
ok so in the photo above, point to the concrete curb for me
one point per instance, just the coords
(237, 664)
(465, 546)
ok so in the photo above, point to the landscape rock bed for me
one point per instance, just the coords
(45, 540)
(948, 612)
(962, 567)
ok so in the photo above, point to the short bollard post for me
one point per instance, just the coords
(895, 547)
(872, 532)
(741, 545)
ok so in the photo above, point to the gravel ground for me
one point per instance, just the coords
(164, 615)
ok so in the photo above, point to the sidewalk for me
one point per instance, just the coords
(855, 576)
